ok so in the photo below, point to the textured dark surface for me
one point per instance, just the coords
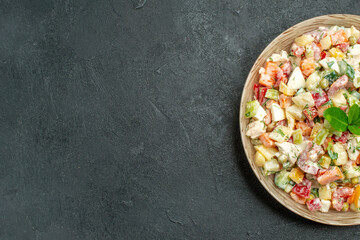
(122, 123)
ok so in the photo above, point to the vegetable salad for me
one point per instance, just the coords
(305, 119)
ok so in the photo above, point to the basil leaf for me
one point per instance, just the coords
(354, 115)
(354, 129)
(337, 118)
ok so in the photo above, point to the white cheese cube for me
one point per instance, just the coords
(296, 79)
(277, 112)
(325, 205)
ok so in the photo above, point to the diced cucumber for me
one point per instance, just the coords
(251, 108)
(272, 94)
(355, 94)
(321, 136)
(300, 91)
(288, 188)
(282, 179)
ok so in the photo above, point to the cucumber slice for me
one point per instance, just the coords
(282, 179)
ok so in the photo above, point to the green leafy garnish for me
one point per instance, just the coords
(340, 122)
(350, 72)
(337, 118)
(330, 63)
(332, 77)
(332, 155)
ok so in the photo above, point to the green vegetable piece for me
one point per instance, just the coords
(342, 67)
(350, 72)
(321, 136)
(337, 118)
(352, 40)
(297, 136)
(355, 94)
(332, 155)
(330, 64)
(356, 82)
(324, 83)
(300, 91)
(282, 179)
(272, 94)
(315, 191)
(331, 77)
(251, 108)
(351, 99)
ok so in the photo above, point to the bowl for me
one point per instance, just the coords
(283, 42)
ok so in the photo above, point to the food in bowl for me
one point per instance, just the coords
(305, 119)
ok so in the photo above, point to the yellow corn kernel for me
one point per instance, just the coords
(336, 53)
(345, 207)
(259, 159)
(296, 175)
(355, 180)
(311, 197)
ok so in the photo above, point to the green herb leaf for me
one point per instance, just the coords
(337, 118)
(350, 72)
(354, 129)
(332, 77)
(330, 63)
(354, 115)
(332, 154)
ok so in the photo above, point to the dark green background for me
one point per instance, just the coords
(122, 123)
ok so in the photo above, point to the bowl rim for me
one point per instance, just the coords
(241, 113)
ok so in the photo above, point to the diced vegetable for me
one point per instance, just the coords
(304, 100)
(336, 53)
(325, 161)
(282, 179)
(314, 204)
(297, 136)
(330, 175)
(321, 136)
(338, 99)
(268, 153)
(297, 175)
(277, 112)
(325, 192)
(281, 134)
(304, 40)
(286, 90)
(259, 159)
(271, 166)
(265, 139)
(297, 198)
(296, 112)
(302, 189)
(296, 80)
(313, 81)
(290, 120)
(251, 108)
(272, 94)
(342, 154)
(325, 42)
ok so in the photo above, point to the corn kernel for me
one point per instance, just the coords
(355, 180)
(345, 207)
(333, 185)
(311, 197)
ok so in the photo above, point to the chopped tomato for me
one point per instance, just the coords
(343, 46)
(307, 66)
(297, 198)
(264, 138)
(310, 113)
(330, 175)
(302, 189)
(262, 93)
(320, 97)
(323, 55)
(256, 91)
(314, 204)
(306, 130)
(338, 37)
(340, 195)
(284, 100)
(343, 138)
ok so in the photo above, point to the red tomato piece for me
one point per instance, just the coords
(297, 198)
(314, 204)
(320, 97)
(340, 195)
(323, 55)
(262, 93)
(310, 113)
(256, 91)
(343, 138)
(343, 46)
(302, 189)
